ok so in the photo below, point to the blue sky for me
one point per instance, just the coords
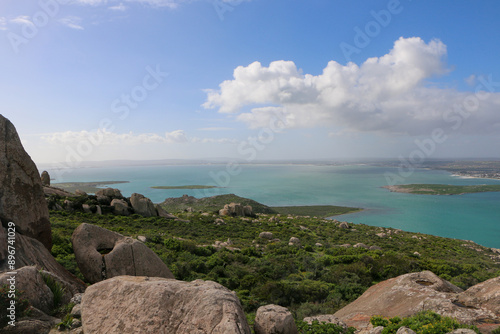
(89, 80)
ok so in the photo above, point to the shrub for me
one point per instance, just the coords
(57, 289)
(322, 328)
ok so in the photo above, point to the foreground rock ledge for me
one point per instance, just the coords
(126, 304)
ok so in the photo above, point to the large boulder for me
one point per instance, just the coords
(143, 205)
(31, 252)
(163, 213)
(120, 207)
(45, 178)
(274, 319)
(408, 294)
(127, 304)
(236, 209)
(102, 254)
(22, 199)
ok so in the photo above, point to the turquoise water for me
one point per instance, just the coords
(472, 216)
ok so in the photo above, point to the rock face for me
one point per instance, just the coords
(45, 177)
(274, 319)
(236, 209)
(21, 198)
(102, 254)
(143, 205)
(408, 294)
(30, 281)
(163, 213)
(31, 252)
(154, 305)
(120, 207)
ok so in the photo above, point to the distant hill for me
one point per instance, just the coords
(212, 204)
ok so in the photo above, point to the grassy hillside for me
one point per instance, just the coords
(319, 276)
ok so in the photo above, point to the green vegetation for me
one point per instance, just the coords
(425, 322)
(443, 189)
(315, 210)
(21, 305)
(322, 328)
(88, 187)
(57, 289)
(496, 331)
(319, 277)
(184, 187)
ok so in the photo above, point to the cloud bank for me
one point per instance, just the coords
(389, 94)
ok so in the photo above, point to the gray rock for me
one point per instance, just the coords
(22, 199)
(294, 241)
(344, 225)
(143, 205)
(163, 213)
(155, 305)
(86, 208)
(266, 235)
(45, 178)
(274, 319)
(76, 311)
(120, 207)
(328, 318)
(102, 254)
(405, 330)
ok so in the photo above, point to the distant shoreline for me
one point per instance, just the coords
(443, 189)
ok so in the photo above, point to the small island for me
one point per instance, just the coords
(88, 187)
(442, 189)
(184, 187)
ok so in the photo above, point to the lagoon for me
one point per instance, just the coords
(473, 217)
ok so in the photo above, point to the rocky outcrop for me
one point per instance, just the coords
(31, 252)
(48, 191)
(143, 205)
(327, 318)
(163, 213)
(236, 210)
(154, 305)
(102, 254)
(274, 319)
(120, 207)
(21, 198)
(106, 195)
(45, 178)
(408, 294)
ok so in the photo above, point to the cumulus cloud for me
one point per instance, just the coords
(22, 20)
(103, 137)
(120, 8)
(72, 22)
(386, 94)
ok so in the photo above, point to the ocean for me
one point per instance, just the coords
(473, 217)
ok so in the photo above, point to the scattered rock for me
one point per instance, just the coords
(102, 254)
(328, 318)
(405, 330)
(143, 205)
(360, 245)
(76, 311)
(86, 208)
(120, 207)
(375, 248)
(318, 244)
(156, 305)
(45, 178)
(274, 319)
(381, 235)
(294, 241)
(266, 235)
(142, 238)
(416, 253)
(80, 192)
(22, 199)
(344, 225)
(236, 210)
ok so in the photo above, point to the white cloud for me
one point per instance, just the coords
(215, 129)
(23, 20)
(103, 137)
(3, 23)
(386, 94)
(120, 8)
(72, 22)
(90, 2)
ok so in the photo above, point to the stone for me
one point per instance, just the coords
(360, 245)
(156, 305)
(22, 199)
(294, 241)
(45, 178)
(76, 311)
(266, 235)
(318, 244)
(31, 282)
(102, 254)
(405, 295)
(48, 190)
(106, 195)
(80, 192)
(163, 213)
(120, 207)
(143, 205)
(77, 298)
(98, 210)
(142, 238)
(274, 319)
(377, 330)
(328, 318)
(236, 210)
(464, 331)
(375, 248)
(28, 326)
(86, 208)
(30, 252)
(405, 330)
(344, 225)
